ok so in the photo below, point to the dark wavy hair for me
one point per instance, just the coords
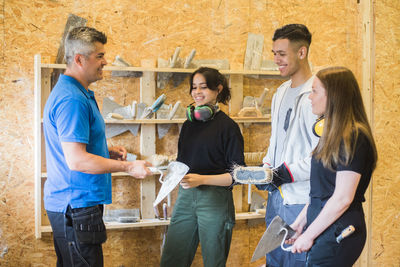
(295, 33)
(213, 79)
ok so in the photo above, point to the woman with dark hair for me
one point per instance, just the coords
(210, 143)
(341, 169)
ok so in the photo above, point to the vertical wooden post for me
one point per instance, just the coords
(368, 69)
(37, 148)
(236, 85)
(147, 140)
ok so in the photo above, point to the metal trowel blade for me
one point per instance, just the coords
(272, 238)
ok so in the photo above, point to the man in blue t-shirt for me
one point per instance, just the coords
(78, 160)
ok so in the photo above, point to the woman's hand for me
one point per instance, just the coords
(298, 225)
(298, 230)
(302, 244)
(191, 180)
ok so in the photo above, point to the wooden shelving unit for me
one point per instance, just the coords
(147, 135)
(158, 222)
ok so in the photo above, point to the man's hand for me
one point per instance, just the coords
(117, 152)
(191, 180)
(138, 168)
(282, 175)
(269, 187)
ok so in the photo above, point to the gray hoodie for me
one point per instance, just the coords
(298, 144)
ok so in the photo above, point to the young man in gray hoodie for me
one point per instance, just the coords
(292, 138)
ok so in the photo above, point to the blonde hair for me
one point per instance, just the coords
(345, 118)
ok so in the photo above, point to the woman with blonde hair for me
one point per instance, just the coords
(341, 169)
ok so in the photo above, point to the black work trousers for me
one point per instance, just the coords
(326, 251)
(78, 235)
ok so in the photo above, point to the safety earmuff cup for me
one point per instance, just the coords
(318, 127)
(201, 113)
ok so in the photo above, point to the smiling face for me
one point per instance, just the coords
(286, 56)
(318, 98)
(201, 93)
(93, 63)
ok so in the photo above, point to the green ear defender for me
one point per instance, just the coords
(201, 113)
(318, 127)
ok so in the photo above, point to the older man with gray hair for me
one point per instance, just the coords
(78, 160)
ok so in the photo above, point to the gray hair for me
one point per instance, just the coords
(81, 40)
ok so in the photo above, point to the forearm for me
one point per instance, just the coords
(93, 164)
(301, 219)
(218, 180)
(332, 210)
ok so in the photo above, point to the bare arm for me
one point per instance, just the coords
(78, 159)
(299, 224)
(194, 180)
(338, 203)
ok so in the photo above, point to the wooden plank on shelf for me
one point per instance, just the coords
(72, 22)
(252, 119)
(166, 121)
(145, 121)
(249, 216)
(254, 49)
(269, 73)
(147, 141)
(157, 222)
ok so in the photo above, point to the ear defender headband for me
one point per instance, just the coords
(318, 127)
(201, 113)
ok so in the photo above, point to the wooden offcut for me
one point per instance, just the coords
(73, 21)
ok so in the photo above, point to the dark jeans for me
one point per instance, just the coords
(78, 235)
(279, 257)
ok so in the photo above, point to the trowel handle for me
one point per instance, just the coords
(155, 170)
(283, 240)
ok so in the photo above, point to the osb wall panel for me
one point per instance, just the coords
(386, 181)
(138, 30)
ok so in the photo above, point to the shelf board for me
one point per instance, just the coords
(166, 121)
(252, 119)
(174, 70)
(114, 174)
(157, 222)
(144, 121)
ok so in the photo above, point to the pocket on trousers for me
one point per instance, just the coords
(89, 226)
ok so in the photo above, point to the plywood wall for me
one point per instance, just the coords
(150, 29)
(386, 181)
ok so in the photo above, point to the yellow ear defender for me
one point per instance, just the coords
(318, 127)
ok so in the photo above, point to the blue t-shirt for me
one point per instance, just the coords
(71, 114)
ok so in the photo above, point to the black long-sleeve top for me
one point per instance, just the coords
(211, 147)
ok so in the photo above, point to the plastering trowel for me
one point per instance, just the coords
(275, 235)
(175, 172)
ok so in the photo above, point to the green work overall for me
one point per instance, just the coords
(205, 214)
